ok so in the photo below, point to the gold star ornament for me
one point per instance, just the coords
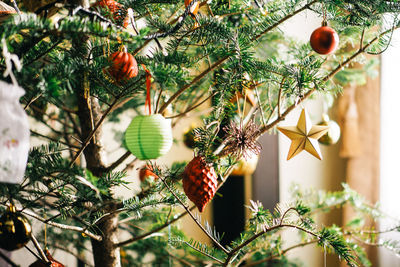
(304, 136)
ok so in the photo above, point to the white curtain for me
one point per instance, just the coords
(390, 143)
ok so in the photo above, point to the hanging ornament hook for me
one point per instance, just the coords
(9, 60)
(148, 85)
(324, 15)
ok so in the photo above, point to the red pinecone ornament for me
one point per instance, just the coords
(324, 40)
(118, 11)
(53, 262)
(199, 182)
(123, 67)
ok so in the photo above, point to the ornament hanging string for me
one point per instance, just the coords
(148, 85)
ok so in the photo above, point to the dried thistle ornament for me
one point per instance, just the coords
(241, 141)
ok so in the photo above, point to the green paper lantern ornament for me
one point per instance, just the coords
(149, 137)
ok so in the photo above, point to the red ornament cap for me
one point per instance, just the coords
(123, 66)
(324, 40)
(199, 182)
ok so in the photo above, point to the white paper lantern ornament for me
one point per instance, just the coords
(14, 134)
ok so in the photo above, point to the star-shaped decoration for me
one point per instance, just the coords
(304, 136)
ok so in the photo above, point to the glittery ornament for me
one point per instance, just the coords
(241, 140)
(199, 182)
(15, 230)
(53, 262)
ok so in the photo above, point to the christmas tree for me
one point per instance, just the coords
(83, 64)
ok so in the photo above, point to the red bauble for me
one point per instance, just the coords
(118, 11)
(324, 40)
(53, 262)
(123, 67)
(199, 182)
(147, 172)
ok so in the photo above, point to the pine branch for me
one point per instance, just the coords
(194, 81)
(181, 260)
(360, 51)
(118, 161)
(95, 129)
(43, 53)
(158, 229)
(63, 226)
(53, 139)
(202, 251)
(307, 6)
(189, 109)
(281, 253)
(194, 218)
(39, 249)
(176, 27)
(325, 235)
(76, 255)
(373, 232)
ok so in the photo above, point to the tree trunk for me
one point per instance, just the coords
(105, 253)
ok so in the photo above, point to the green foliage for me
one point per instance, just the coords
(238, 46)
(332, 239)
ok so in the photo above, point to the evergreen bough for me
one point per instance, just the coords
(236, 45)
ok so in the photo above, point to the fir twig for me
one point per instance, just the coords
(192, 107)
(76, 255)
(204, 253)
(39, 249)
(63, 226)
(307, 6)
(53, 139)
(194, 81)
(97, 127)
(140, 237)
(325, 79)
(194, 218)
(118, 162)
(281, 253)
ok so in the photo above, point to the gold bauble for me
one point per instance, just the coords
(333, 134)
(15, 230)
(189, 137)
(246, 166)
